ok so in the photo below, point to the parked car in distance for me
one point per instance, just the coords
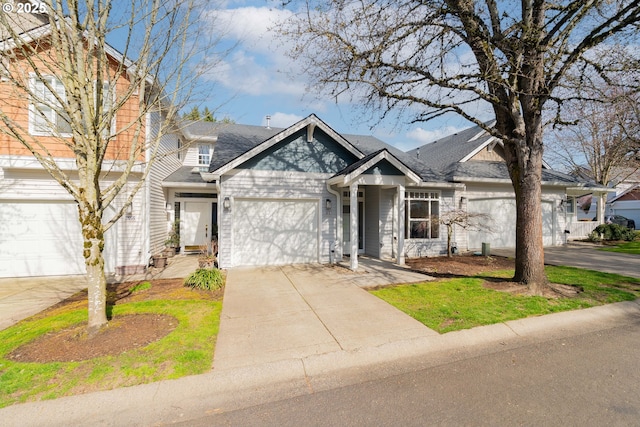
(620, 220)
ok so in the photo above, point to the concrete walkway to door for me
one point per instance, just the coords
(272, 314)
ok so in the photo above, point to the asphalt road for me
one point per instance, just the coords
(590, 379)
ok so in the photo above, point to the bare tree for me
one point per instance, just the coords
(461, 218)
(428, 58)
(91, 103)
(601, 141)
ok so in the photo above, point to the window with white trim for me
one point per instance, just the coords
(422, 209)
(204, 154)
(108, 104)
(45, 112)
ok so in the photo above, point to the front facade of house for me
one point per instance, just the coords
(308, 194)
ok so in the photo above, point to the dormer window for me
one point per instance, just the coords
(204, 154)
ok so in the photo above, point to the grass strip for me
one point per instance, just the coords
(187, 350)
(462, 303)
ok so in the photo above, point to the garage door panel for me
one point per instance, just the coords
(275, 232)
(500, 222)
(40, 238)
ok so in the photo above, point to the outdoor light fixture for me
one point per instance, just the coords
(130, 209)
(226, 203)
(327, 204)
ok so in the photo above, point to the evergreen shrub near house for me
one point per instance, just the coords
(208, 279)
(607, 232)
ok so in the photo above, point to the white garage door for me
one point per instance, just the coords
(275, 232)
(40, 239)
(501, 221)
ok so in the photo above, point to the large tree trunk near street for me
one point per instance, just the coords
(524, 160)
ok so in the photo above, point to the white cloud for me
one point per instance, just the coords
(283, 120)
(259, 64)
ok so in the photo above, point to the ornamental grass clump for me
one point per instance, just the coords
(208, 279)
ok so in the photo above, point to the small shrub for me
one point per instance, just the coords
(205, 278)
(140, 287)
(612, 232)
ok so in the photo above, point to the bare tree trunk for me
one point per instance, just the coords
(93, 235)
(529, 267)
(449, 233)
(524, 160)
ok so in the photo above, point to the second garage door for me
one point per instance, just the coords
(40, 239)
(275, 232)
(501, 221)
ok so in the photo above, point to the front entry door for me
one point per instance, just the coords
(346, 223)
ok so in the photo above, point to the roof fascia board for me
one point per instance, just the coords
(310, 120)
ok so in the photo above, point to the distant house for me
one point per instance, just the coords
(626, 200)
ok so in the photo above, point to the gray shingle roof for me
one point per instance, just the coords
(441, 154)
(370, 144)
(185, 174)
(445, 154)
(235, 140)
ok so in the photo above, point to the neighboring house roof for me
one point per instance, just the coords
(444, 152)
(451, 156)
(630, 194)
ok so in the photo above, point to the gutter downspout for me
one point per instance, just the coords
(334, 245)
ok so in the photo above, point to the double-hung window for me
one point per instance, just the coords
(204, 155)
(423, 215)
(46, 114)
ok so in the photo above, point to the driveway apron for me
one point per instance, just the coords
(291, 312)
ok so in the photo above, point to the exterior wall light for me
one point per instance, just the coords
(327, 204)
(226, 203)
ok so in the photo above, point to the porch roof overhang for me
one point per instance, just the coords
(583, 190)
(354, 171)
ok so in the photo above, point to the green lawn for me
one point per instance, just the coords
(454, 304)
(625, 248)
(187, 350)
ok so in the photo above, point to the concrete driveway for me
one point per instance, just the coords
(272, 314)
(587, 256)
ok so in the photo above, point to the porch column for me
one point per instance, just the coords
(400, 230)
(353, 219)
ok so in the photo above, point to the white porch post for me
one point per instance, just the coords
(400, 231)
(353, 219)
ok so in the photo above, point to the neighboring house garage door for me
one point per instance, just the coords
(40, 239)
(274, 232)
(501, 220)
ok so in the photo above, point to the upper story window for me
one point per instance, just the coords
(204, 154)
(46, 116)
(423, 215)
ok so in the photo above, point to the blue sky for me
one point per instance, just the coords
(254, 81)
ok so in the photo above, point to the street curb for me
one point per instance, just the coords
(196, 396)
